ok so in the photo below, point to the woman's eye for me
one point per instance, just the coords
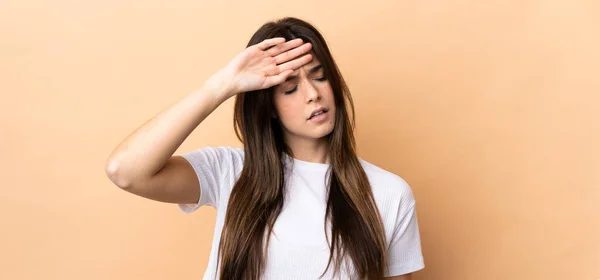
(291, 90)
(322, 79)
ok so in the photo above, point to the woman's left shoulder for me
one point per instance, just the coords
(387, 185)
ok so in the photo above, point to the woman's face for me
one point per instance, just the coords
(295, 100)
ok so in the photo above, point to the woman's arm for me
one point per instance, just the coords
(143, 163)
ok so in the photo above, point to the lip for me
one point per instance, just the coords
(317, 110)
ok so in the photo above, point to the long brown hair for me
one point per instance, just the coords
(258, 195)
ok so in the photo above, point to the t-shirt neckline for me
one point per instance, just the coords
(307, 164)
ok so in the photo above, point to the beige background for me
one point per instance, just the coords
(489, 109)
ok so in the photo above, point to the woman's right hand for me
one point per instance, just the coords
(263, 65)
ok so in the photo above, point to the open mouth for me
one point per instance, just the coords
(318, 115)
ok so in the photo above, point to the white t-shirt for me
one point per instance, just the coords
(298, 248)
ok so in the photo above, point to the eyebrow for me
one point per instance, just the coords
(312, 70)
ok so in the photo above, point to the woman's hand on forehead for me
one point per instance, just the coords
(264, 65)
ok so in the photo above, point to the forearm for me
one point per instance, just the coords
(146, 150)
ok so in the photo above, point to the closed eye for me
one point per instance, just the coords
(291, 90)
(322, 79)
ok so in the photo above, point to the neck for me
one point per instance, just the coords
(310, 150)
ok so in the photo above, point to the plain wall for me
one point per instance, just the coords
(488, 109)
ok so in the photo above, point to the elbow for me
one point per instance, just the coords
(114, 172)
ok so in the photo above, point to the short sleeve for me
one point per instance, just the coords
(214, 167)
(404, 251)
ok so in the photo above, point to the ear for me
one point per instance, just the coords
(273, 116)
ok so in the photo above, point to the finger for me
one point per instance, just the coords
(275, 50)
(296, 63)
(270, 42)
(277, 79)
(291, 54)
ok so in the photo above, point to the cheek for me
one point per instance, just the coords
(326, 91)
(289, 112)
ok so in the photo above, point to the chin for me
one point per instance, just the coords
(323, 133)
(312, 133)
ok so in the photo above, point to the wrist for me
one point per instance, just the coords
(220, 86)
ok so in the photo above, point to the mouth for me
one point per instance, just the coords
(318, 114)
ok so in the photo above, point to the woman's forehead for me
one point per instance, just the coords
(310, 67)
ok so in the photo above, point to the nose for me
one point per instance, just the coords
(312, 93)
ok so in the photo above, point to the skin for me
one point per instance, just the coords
(305, 90)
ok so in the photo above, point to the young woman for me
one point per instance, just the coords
(296, 202)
